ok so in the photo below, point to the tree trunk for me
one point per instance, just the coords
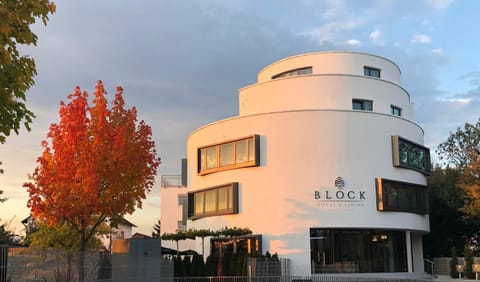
(81, 260)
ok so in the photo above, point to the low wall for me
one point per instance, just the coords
(442, 265)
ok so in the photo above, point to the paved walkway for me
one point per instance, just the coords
(447, 278)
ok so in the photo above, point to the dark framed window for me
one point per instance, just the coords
(396, 111)
(401, 196)
(300, 71)
(213, 201)
(410, 155)
(244, 152)
(357, 250)
(369, 71)
(362, 105)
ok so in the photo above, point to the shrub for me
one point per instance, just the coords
(453, 263)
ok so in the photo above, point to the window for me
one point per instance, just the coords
(182, 198)
(230, 155)
(213, 201)
(300, 71)
(407, 154)
(396, 111)
(369, 71)
(362, 105)
(401, 196)
(357, 250)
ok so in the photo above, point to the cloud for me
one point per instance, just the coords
(333, 32)
(376, 37)
(439, 5)
(420, 38)
(353, 42)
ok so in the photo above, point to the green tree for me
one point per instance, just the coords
(179, 236)
(462, 150)
(156, 229)
(453, 263)
(468, 257)
(60, 236)
(17, 71)
(5, 234)
(447, 229)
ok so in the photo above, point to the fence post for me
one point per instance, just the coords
(3, 262)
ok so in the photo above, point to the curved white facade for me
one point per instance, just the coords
(319, 164)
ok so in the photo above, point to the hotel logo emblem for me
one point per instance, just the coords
(339, 183)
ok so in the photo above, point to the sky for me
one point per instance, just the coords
(182, 62)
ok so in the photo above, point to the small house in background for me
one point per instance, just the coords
(30, 224)
(123, 230)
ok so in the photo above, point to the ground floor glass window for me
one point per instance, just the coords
(357, 251)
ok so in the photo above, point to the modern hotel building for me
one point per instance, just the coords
(324, 163)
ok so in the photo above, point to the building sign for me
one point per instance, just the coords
(339, 196)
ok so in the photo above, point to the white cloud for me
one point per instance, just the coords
(333, 32)
(353, 42)
(420, 38)
(439, 5)
(376, 37)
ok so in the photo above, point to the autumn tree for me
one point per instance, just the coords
(447, 228)
(98, 162)
(462, 150)
(17, 71)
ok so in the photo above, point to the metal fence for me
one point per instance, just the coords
(320, 278)
(42, 265)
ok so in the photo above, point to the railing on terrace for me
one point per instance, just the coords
(169, 181)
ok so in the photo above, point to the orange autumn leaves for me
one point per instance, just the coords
(98, 162)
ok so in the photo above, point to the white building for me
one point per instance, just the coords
(173, 211)
(324, 162)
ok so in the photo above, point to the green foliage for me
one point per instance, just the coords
(17, 71)
(453, 263)
(233, 232)
(1, 191)
(197, 268)
(447, 227)
(178, 267)
(468, 257)
(211, 265)
(60, 236)
(462, 149)
(156, 229)
(5, 235)
(186, 265)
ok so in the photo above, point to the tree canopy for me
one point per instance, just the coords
(447, 227)
(97, 163)
(17, 71)
(462, 150)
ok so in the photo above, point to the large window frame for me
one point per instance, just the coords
(410, 155)
(213, 201)
(399, 196)
(238, 153)
(345, 250)
(294, 72)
